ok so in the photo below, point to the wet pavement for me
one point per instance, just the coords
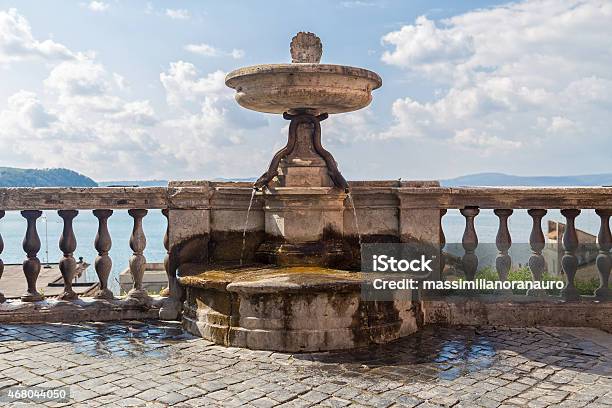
(156, 364)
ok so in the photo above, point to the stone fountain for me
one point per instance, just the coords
(295, 292)
(305, 209)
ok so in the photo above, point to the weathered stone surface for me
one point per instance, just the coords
(303, 214)
(506, 197)
(82, 309)
(57, 198)
(520, 312)
(321, 88)
(291, 309)
(306, 48)
(195, 194)
(186, 224)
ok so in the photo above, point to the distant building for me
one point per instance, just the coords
(553, 252)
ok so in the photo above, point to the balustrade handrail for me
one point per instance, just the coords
(91, 198)
(506, 197)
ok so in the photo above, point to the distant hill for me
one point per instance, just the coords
(14, 177)
(161, 183)
(500, 179)
(130, 183)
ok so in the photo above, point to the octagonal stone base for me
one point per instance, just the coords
(294, 309)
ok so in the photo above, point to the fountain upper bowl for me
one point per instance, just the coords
(297, 87)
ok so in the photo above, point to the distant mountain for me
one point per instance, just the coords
(236, 180)
(161, 183)
(14, 177)
(500, 179)
(133, 183)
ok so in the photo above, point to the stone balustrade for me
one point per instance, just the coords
(537, 202)
(68, 202)
(206, 225)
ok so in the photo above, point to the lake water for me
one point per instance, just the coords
(13, 225)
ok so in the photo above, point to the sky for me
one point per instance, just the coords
(119, 89)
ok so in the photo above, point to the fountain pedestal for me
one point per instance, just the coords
(304, 195)
(304, 226)
(291, 310)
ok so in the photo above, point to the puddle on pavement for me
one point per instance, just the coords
(127, 339)
(425, 356)
(110, 339)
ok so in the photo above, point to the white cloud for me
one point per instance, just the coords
(178, 14)
(85, 117)
(203, 49)
(509, 77)
(139, 112)
(471, 138)
(237, 54)
(17, 42)
(98, 6)
(85, 122)
(210, 51)
(559, 124)
(425, 46)
(83, 83)
(120, 81)
(25, 111)
(183, 84)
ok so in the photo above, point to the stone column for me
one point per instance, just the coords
(68, 245)
(537, 242)
(31, 265)
(470, 242)
(422, 226)
(503, 241)
(569, 262)
(103, 263)
(138, 262)
(189, 224)
(604, 261)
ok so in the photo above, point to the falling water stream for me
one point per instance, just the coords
(350, 197)
(246, 223)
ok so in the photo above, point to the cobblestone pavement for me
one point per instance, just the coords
(155, 364)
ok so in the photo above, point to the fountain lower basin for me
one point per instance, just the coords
(290, 309)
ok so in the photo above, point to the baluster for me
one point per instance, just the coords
(2, 298)
(103, 263)
(569, 262)
(31, 265)
(67, 245)
(503, 241)
(537, 264)
(470, 242)
(138, 262)
(604, 262)
(442, 245)
(169, 261)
